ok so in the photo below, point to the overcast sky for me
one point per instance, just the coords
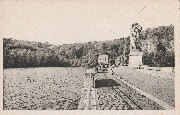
(61, 22)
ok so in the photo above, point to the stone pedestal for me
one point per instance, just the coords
(135, 59)
(135, 55)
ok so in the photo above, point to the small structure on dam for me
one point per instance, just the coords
(88, 98)
(103, 63)
(89, 80)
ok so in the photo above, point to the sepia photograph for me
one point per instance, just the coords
(88, 55)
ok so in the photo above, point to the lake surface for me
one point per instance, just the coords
(44, 88)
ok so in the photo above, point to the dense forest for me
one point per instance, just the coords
(157, 44)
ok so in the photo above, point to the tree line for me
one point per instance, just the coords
(157, 45)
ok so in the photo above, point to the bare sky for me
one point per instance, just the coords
(75, 21)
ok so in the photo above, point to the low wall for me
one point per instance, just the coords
(167, 69)
(163, 69)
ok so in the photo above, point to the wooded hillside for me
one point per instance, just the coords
(157, 45)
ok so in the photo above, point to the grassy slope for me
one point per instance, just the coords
(160, 87)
